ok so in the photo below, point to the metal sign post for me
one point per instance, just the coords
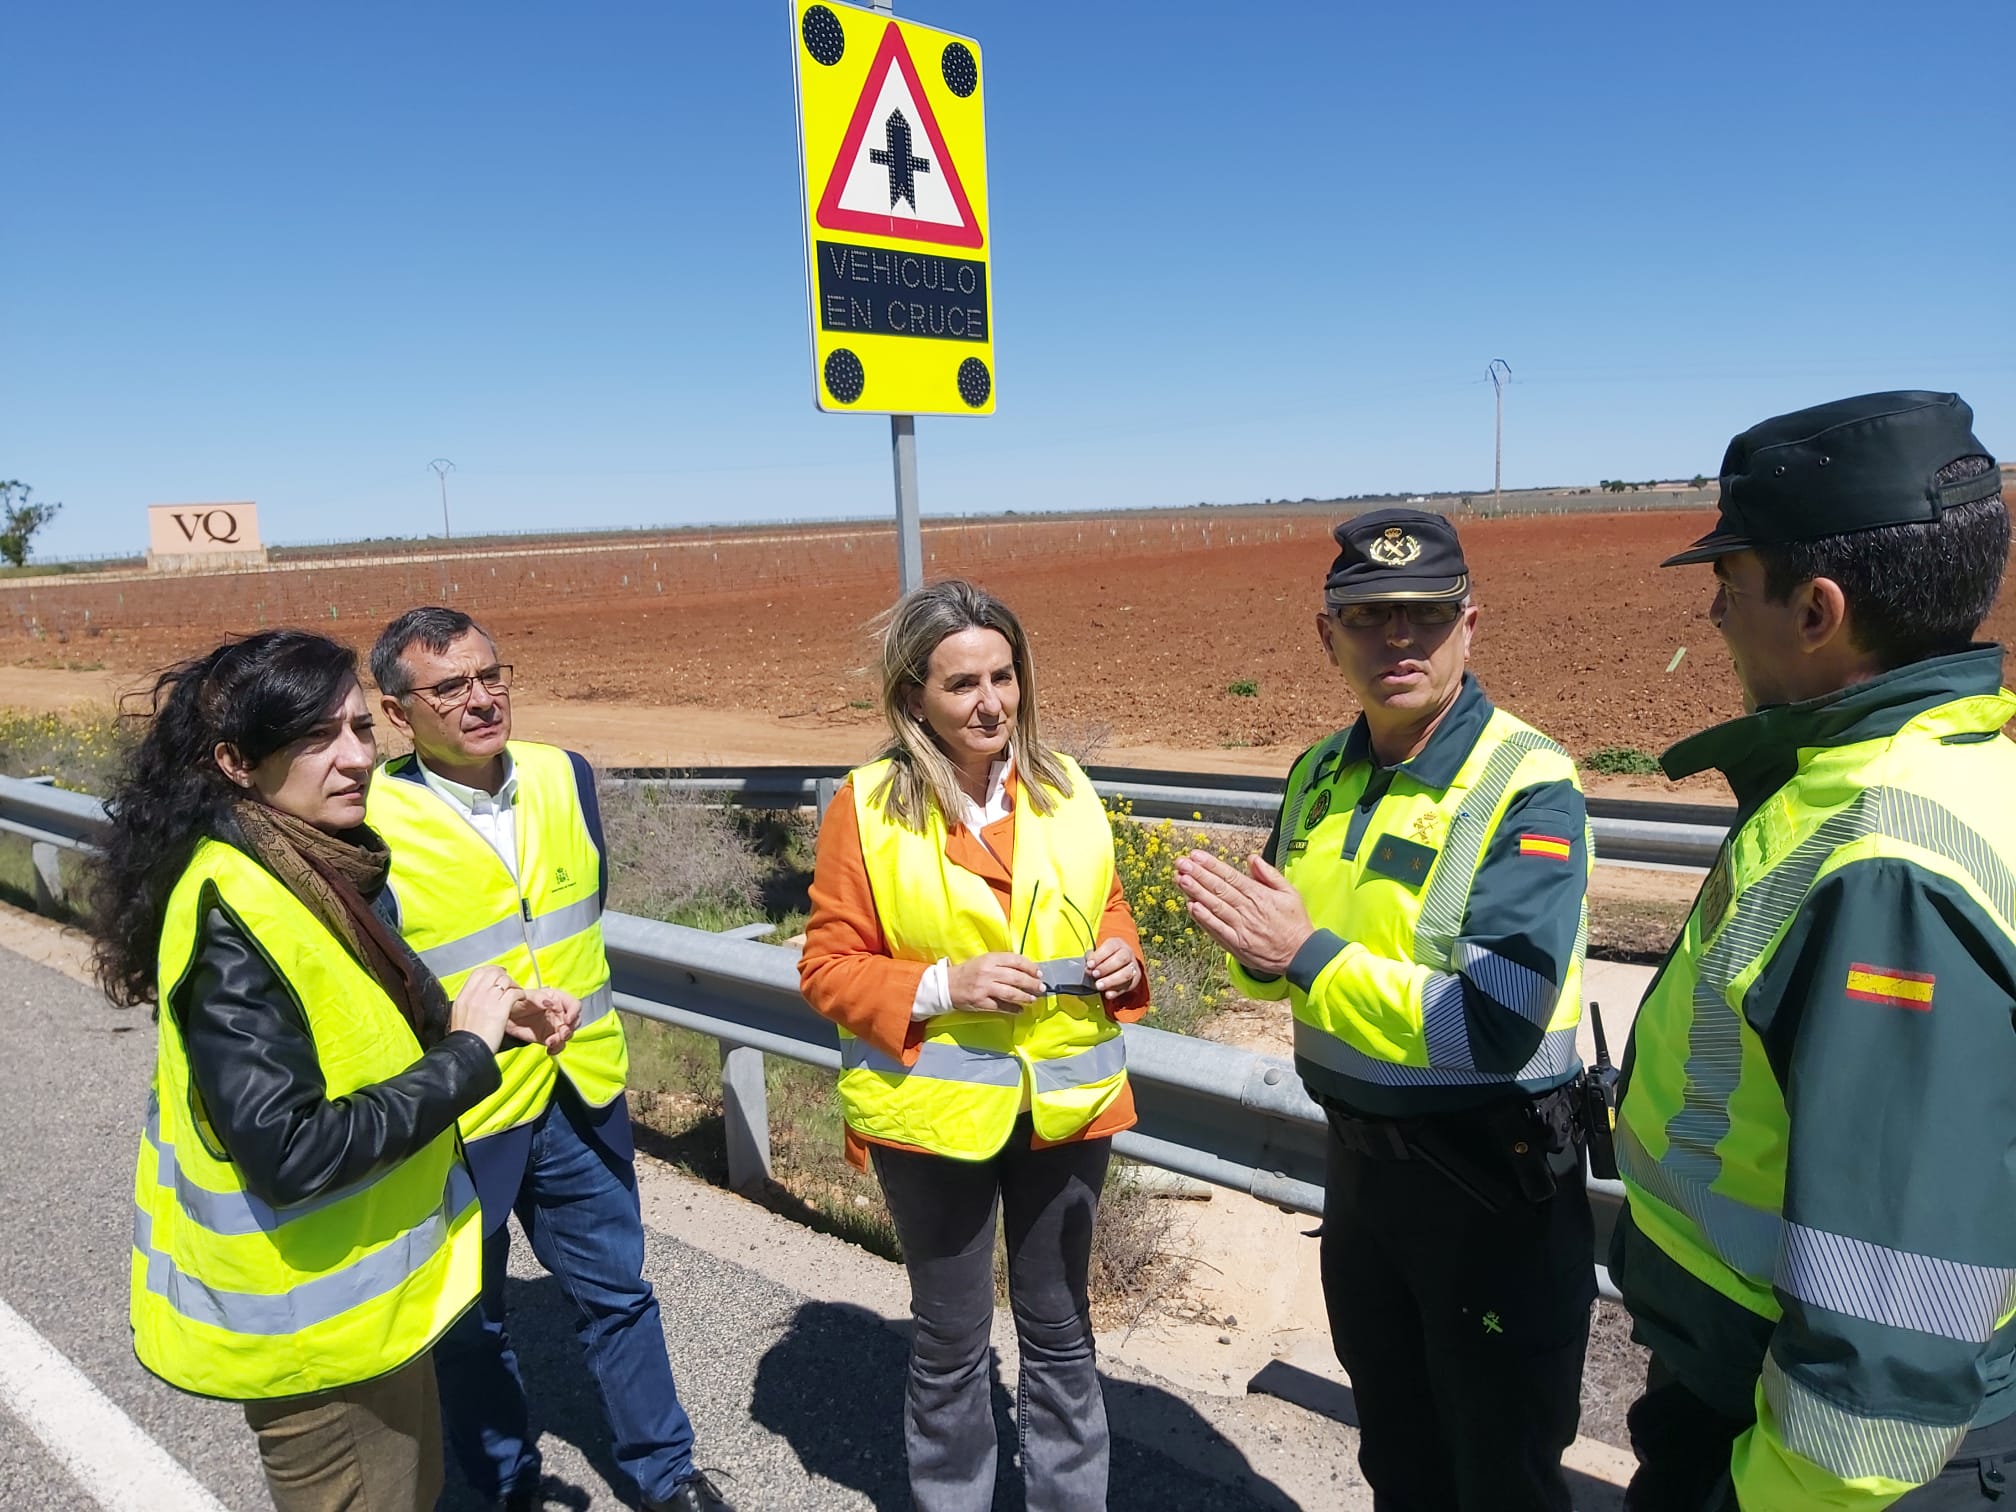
(903, 454)
(892, 154)
(909, 512)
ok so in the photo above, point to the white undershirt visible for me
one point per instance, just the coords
(494, 818)
(934, 992)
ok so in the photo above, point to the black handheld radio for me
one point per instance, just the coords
(1598, 1104)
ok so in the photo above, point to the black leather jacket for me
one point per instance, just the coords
(252, 1063)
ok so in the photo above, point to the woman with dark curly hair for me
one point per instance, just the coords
(305, 1228)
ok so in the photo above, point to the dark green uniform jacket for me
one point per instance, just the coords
(1448, 894)
(1818, 1117)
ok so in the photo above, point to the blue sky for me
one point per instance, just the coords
(291, 253)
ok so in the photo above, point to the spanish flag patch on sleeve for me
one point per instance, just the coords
(1891, 987)
(1553, 847)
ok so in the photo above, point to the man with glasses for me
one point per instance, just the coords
(1421, 903)
(498, 859)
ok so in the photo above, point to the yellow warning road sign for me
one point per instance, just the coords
(892, 156)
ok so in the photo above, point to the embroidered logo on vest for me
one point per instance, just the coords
(1318, 809)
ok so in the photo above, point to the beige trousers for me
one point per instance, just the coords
(375, 1447)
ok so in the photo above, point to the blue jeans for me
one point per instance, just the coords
(577, 1205)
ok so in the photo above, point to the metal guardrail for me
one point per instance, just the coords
(1230, 1117)
(1656, 832)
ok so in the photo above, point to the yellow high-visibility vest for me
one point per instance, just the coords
(460, 908)
(237, 1299)
(961, 1096)
(1366, 1035)
(1704, 1129)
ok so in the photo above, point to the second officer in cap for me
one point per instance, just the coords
(1421, 904)
(1819, 1102)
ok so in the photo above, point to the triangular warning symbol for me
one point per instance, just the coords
(893, 176)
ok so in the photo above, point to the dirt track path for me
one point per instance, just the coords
(627, 734)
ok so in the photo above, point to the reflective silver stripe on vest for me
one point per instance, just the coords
(275, 1314)
(1107, 1058)
(473, 950)
(493, 940)
(1294, 803)
(1445, 1028)
(1554, 1060)
(1523, 990)
(1686, 1174)
(937, 1061)
(1851, 1446)
(229, 1213)
(1746, 1238)
(1715, 1040)
(1894, 1287)
(565, 923)
(596, 1005)
(1448, 895)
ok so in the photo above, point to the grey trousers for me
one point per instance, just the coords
(944, 1212)
(374, 1447)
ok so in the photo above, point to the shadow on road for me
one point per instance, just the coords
(833, 1388)
(1333, 1399)
(562, 1396)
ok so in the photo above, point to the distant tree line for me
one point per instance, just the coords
(1619, 485)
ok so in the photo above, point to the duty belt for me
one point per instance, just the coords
(1529, 1142)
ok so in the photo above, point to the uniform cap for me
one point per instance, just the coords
(1855, 464)
(1396, 554)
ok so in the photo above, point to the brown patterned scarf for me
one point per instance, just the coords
(332, 875)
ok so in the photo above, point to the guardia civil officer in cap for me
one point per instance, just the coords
(1819, 1101)
(1421, 905)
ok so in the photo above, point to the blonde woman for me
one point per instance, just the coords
(970, 939)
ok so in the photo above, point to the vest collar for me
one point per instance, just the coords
(1761, 752)
(1436, 764)
(472, 800)
(1000, 796)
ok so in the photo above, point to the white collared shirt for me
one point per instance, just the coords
(934, 991)
(493, 817)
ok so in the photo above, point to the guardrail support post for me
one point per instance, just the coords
(47, 863)
(822, 796)
(745, 1115)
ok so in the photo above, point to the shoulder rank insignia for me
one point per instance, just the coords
(1401, 860)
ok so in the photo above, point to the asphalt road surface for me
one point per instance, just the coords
(797, 1400)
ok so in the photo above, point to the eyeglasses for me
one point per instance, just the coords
(451, 692)
(1373, 616)
(1080, 925)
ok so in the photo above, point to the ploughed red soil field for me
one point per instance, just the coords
(1143, 624)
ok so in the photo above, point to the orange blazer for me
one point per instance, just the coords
(848, 975)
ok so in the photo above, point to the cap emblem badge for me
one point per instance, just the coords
(1394, 548)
